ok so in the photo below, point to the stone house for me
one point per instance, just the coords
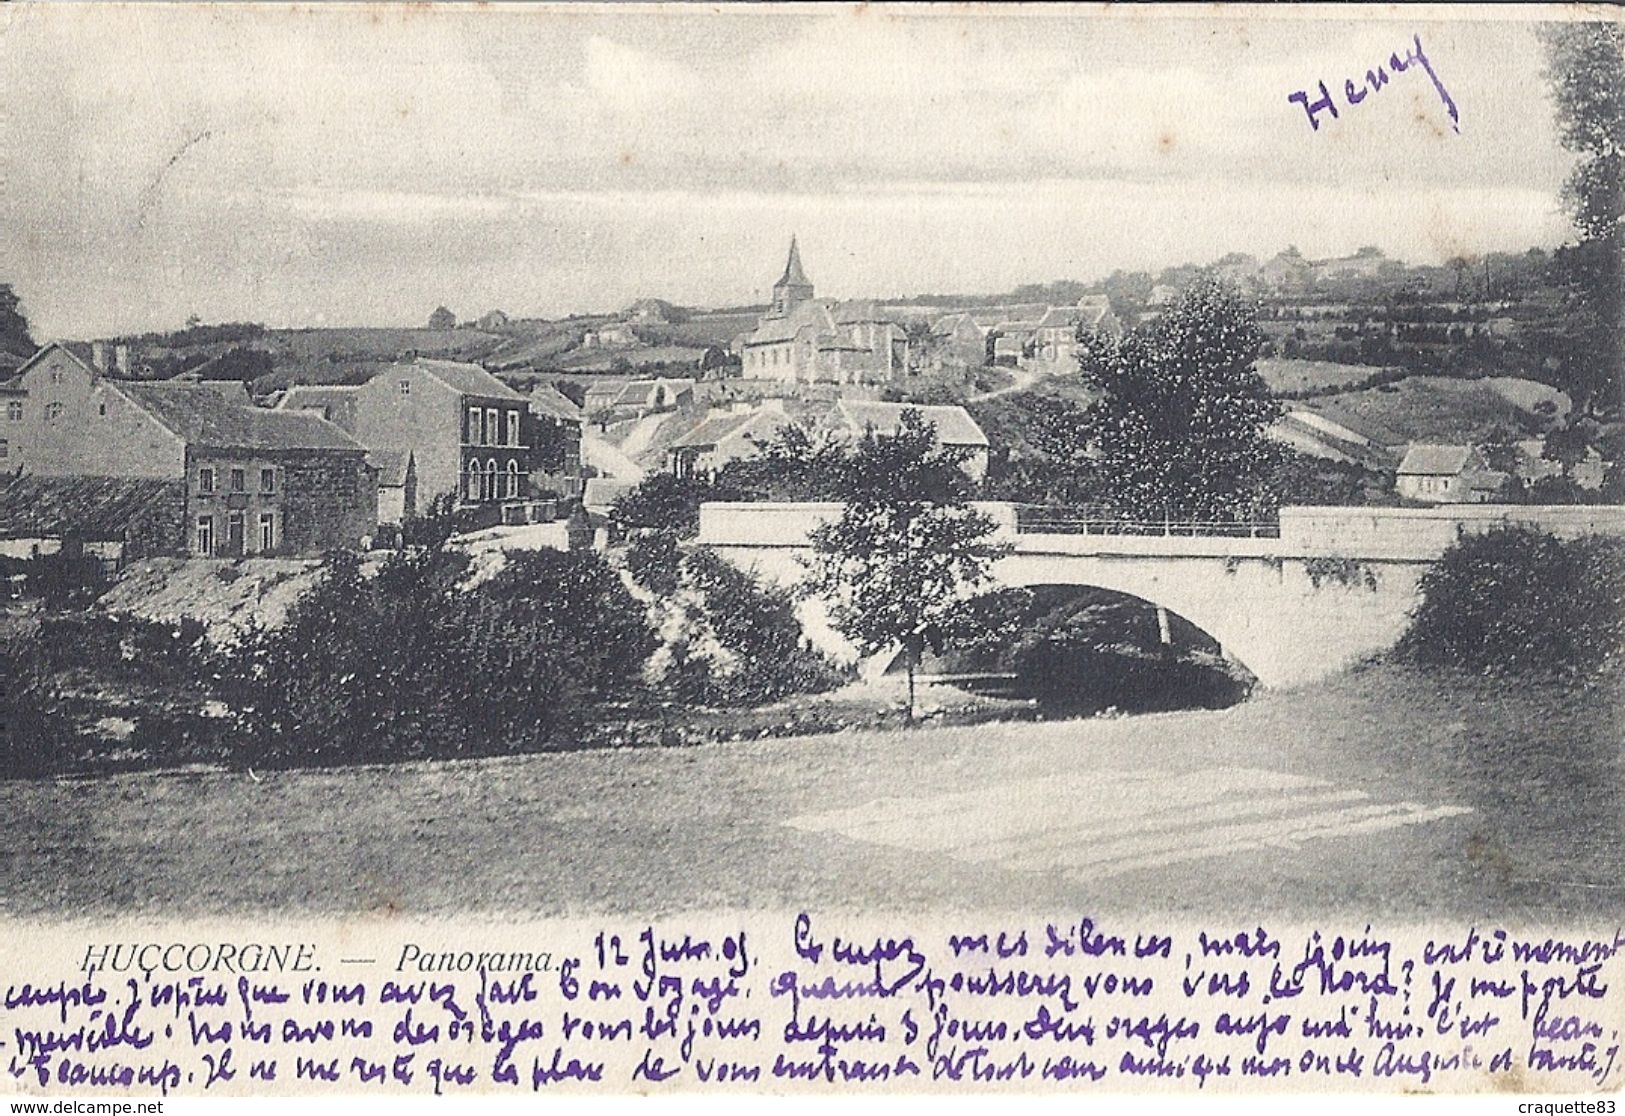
(1054, 338)
(397, 485)
(727, 434)
(1438, 474)
(555, 466)
(960, 339)
(112, 518)
(1532, 465)
(955, 428)
(252, 480)
(464, 428)
(260, 481)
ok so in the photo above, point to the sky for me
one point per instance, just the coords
(361, 164)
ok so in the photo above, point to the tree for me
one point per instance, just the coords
(1180, 425)
(1499, 444)
(1567, 446)
(1041, 448)
(442, 318)
(665, 502)
(1585, 70)
(792, 464)
(904, 562)
(1518, 601)
(1459, 264)
(14, 335)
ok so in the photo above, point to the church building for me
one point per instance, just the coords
(802, 339)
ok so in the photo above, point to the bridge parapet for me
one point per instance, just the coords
(1422, 534)
(1363, 533)
(790, 524)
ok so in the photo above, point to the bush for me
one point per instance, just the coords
(413, 663)
(1519, 601)
(33, 723)
(759, 625)
(653, 561)
(130, 647)
(731, 641)
(664, 502)
(60, 580)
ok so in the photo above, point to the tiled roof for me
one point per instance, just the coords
(1434, 461)
(1059, 317)
(858, 310)
(713, 430)
(1093, 314)
(391, 466)
(469, 379)
(545, 399)
(83, 360)
(954, 425)
(201, 416)
(602, 492)
(91, 508)
(815, 314)
(761, 422)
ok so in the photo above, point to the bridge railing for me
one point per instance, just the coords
(1045, 519)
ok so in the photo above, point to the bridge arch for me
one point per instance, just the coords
(1288, 621)
(1284, 620)
(1078, 649)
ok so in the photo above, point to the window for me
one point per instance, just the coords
(101, 408)
(473, 438)
(5, 447)
(493, 427)
(205, 481)
(53, 411)
(205, 535)
(267, 531)
(267, 480)
(14, 411)
(473, 486)
(513, 479)
(489, 490)
(406, 387)
(56, 375)
(513, 428)
(239, 480)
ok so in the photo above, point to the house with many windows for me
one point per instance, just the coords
(251, 480)
(464, 429)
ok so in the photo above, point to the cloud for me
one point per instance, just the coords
(572, 153)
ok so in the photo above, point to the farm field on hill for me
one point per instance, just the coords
(1425, 409)
(1292, 374)
(1383, 793)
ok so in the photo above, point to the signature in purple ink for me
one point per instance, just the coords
(1375, 79)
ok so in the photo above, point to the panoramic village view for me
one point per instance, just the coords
(1105, 587)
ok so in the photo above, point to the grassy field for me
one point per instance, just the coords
(1423, 409)
(1291, 374)
(1530, 777)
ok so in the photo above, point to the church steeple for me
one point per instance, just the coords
(794, 287)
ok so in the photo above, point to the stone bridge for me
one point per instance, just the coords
(1335, 585)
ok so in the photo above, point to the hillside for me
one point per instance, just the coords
(1431, 409)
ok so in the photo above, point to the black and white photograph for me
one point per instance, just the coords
(847, 548)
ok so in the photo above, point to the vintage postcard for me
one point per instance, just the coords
(811, 549)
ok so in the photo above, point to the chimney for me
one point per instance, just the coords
(98, 355)
(121, 358)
